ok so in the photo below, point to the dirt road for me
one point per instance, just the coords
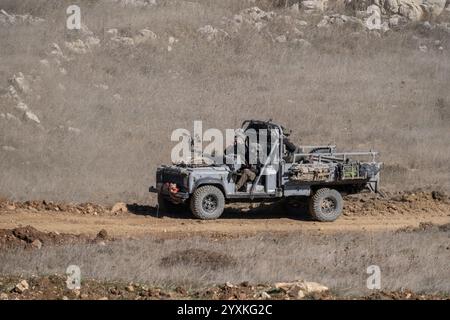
(136, 225)
(362, 213)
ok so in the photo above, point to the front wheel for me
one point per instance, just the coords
(207, 203)
(326, 205)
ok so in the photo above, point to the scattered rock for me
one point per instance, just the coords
(395, 20)
(101, 86)
(313, 287)
(299, 288)
(92, 41)
(32, 117)
(10, 207)
(210, 33)
(20, 83)
(339, 20)
(123, 41)
(74, 130)
(54, 287)
(302, 43)
(21, 106)
(113, 32)
(103, 234)
(22, 286)
(77, 47)
(119, 207)
(414, 10)
(56, 51)
(255, 17)
(172, 40)
(281, 39)
(423, 48)
(314, 5)
(296, 291)
(12, 93)
(37, 244)
(44, 63)
(144, 35)
(14, 19)
(438, 195)
(135, 3)
(263, 295)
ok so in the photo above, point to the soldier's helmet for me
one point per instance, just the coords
(287, 132)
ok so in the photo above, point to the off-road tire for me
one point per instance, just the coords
(202, 203)
(326, 196)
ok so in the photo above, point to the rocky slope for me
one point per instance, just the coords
(73, 105)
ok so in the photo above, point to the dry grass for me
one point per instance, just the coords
(357, 91)
(416, 260)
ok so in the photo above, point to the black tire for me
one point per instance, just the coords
(207, 203)
(326, 205)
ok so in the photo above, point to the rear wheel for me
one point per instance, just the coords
(326, 205)
(207, 203)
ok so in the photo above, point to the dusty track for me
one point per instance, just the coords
(130, 225)
(361, 213)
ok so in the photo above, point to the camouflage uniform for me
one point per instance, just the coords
(247, 175)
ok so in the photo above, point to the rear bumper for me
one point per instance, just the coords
(163, 190)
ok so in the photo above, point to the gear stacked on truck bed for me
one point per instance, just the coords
(312, 171)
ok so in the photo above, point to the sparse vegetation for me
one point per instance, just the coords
(412, 259)
(350, 87)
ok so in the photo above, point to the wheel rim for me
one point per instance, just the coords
(328, 205)
(209, 203)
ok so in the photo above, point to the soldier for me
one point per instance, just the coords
(290, 148)
(248, 173)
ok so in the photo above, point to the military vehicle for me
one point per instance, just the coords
(317, 174)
